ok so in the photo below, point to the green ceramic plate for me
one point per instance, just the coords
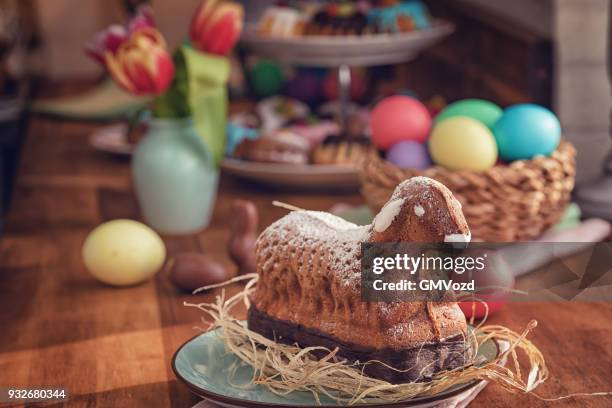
(209, 371)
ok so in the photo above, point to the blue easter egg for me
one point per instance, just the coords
(525, 131)
(409, 154)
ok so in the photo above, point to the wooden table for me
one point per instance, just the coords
(112, 347)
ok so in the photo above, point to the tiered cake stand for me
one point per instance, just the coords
(340, 52)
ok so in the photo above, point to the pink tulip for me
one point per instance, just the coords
(216, 26)
(141, 64)
(143, 18)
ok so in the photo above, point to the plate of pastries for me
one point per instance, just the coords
(355, 32)
(282, 144)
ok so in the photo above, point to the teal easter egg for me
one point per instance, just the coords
(525, 131)
(483, 111)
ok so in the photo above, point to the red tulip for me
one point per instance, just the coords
(141, 64)
(216, 26)
(109, 40)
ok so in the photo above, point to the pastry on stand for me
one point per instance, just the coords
(342, 150)
(278, 147)
(338, 18)
(282, 22)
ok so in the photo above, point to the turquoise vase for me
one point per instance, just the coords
(175, 177)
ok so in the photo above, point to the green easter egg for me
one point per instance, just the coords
(266, 78)
(483, 111)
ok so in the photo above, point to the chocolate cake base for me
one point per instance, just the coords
(416, 364)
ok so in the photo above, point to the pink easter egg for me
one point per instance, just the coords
(398, 118)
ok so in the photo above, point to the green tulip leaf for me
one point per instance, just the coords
(199, 90)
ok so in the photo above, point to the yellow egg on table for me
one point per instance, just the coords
(123, 252)
(461, 143)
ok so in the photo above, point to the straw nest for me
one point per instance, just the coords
(283, 368)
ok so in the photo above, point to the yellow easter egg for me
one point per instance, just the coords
(461, 143)
(123, 252)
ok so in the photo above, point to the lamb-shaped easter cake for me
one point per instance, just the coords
(309, 287)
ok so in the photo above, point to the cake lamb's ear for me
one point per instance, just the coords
(421, 210)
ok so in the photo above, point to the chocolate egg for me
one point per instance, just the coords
(191, 271)
(244, 222)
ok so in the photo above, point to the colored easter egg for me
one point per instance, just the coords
(409, 155)
(493, 286)
(483, 111)
(191, 270)
(398, 118)
(525, 131)
(305, 87)
(463, 143)
(266, 78)
(359, 85)
(123, 252)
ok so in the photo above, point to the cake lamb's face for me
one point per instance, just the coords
(421, 210)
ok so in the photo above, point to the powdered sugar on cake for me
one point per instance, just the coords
(313, 242)
(301, 234)
(458, 238)
(419, 210)
(388, 213)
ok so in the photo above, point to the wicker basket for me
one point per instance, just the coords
(510, 203)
